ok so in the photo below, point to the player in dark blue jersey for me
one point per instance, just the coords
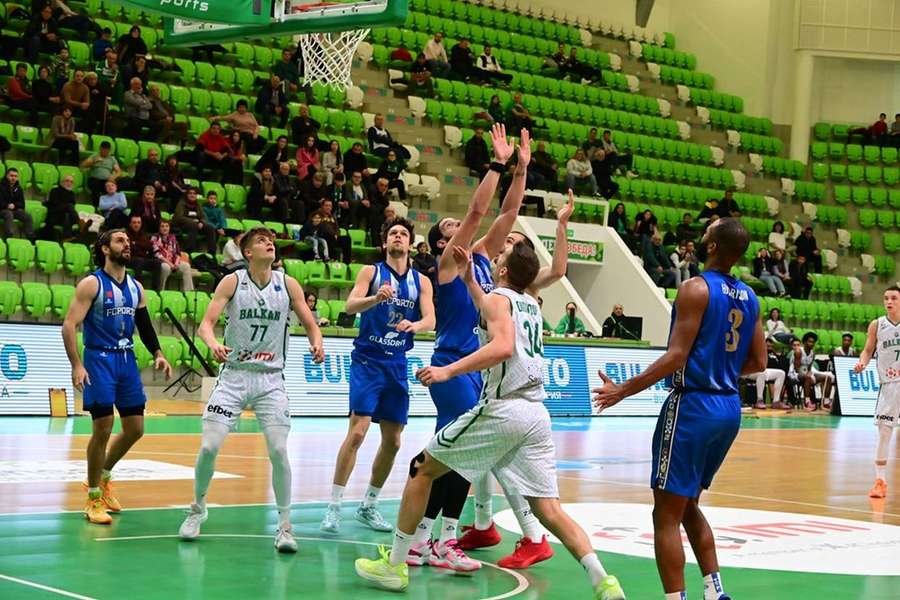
(110, 303)
(716, 337)
(395, 303)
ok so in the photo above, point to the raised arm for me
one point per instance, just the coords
(869, 350)
(690, 304)
(463, 258)
(85, 292)
(206, 331)
(547, 276)
(481, 200)
(359, 300)
(301, 309)
(492, 243)
(496, 313)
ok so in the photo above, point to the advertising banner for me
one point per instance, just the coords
(236, 12)
(858, 392)
(32, 361)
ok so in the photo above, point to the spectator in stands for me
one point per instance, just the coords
(728, 206)
(618, 220)
(102, 44)
(846, 348)
(244, 121)
(288, 70)
(547, 328)
(285, 188)
(690, 256)
(332, 161)
(685, 230)
(773, 373)
(61, 212)
(809, 249)
(420, 83)
(381, 142)
(436, 56)
(303, 126)
(149, 172)
(612, 326)
(131, 45)
(62, 137)
(490, 67)
(214, 214)
(780, 268)
(274, 155)
(232, 258)
(165, 244)
(777, 240)
(76, 95)
(271, 103)
(102, 167)
(379, 202)
(518, 117)
(356, 195)
(61, 68)
(801, 282)
(173, 184)
(148, 210)
(108, 73)
(559, 61)
(215, 153)
(603, 169)
(340, 205)
(97, 107)
(45, 97)
(355, 160)
(18, 90)
(263, 196)
(762, 270)
(425, 263)
(620, 160)
(137, 112)
(680, 264)
(587, 73)
(478, 159)
(710, 209)
(807, 373)
(496, 111)
(238, 150)
(42, 35)
(533, 181)
(312, 301)
(873, 134)
(191, 221)
(162, 114)
(113, 206)
(391, 168)
(591, 144)
(579, 171)
(895, 131)
(12, 205)
(310, 233)
(313, 192)
(308, 161)
(569, 324)
(657, 264)
(329, 230)
(69, 19)
(143, 254)
(462, 60)
(137, 68)
(543, 163)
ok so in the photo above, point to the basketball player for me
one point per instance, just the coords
(396, 303)
(110, 303)
(716, 337)
(508, 430)
(257, 302)
(883, 340)
(803, 369)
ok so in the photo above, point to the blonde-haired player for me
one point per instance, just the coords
(883, 340)
(257, 301)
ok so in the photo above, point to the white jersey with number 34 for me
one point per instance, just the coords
(888, 349)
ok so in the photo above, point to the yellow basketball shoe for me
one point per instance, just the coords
(95, 511)
(106, 495)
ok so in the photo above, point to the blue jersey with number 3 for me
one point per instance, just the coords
(723, 341)
(378, 335)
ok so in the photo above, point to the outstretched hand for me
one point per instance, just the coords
(566, 211)
(524, 149)
(609, 394)
(503, 149)
(463, 259)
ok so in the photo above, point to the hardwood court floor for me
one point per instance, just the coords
(820, 536)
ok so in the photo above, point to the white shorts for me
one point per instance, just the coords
(237, 389)
(887, 410)
(510, 437)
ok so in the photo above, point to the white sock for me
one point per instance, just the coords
(677, 596)
(211, 441)
(371, 498)
(483, 506)
(531, 527)
(106, 475)
(284, 516)
(712, 586)
(881, 472)
(423, 531)
(337, 494)
(276, 443)
(595, 570)
(400, 550)
(448, 529)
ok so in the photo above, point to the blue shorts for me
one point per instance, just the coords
(693, 434)
(115, 379)
(455, 396)
(379, 388)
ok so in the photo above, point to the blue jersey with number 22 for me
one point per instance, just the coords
(378, 335)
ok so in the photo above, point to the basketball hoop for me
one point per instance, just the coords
(328, 57)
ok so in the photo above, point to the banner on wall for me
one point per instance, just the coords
(569, 374)
(579, 250)
(32, 361)
(858, 391)
(237, 12)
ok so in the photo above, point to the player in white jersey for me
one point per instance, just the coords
(883, 340)
(257, 302)
(507, 431)
(802, 369)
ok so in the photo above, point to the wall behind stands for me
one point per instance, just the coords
(616, 11)
(854, 90)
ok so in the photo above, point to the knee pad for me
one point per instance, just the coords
(415, 463)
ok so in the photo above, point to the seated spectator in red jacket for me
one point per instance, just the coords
(214, 152)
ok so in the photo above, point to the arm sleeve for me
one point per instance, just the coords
(145, 330)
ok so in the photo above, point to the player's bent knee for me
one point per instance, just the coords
(415, 464)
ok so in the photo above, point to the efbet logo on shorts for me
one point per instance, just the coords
(218, 410)
(196, 5)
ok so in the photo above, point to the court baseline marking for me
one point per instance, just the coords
(521, 582)
(46, 588)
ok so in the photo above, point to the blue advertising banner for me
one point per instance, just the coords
(32, 361)
(858, 392)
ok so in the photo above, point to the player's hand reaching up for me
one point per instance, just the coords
(161, 364)
(524, 149)
(503, 149)
(463, 259)
(384, 293)
(430, 375)
(80, 378)
(220, 352)
(609, 394)
(566, 211)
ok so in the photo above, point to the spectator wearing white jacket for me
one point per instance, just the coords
(579, 170)
(488, 62)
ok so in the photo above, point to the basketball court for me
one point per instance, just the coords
(789, 510)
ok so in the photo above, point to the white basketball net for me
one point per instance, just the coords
(328, 57)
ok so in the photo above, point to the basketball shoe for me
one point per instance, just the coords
(473, 538)
(382, 573)
(527, 553)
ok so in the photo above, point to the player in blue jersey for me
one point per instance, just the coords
(396, 303)
(716, 337)
(110, 303)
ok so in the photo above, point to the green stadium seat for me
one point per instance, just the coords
(336, 307)
(855, 173)
(10, 298)
(295, 268)
(822, 131)
(77, 259)
(62, 298)
(838, 172)
(36, 299)
(836, 150)
(878, 197)
(841, 194)
(873, 174)
(196, 304)
(818, 150)
(889, 155)
(20, 254)
(819, 171)
(316, 275)
(860, 195)
(891, 176)
(175, 302)
(867, 218)
(885, 219)
(871, 154)
(854, 152)
(154, 303)
(49, 256)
